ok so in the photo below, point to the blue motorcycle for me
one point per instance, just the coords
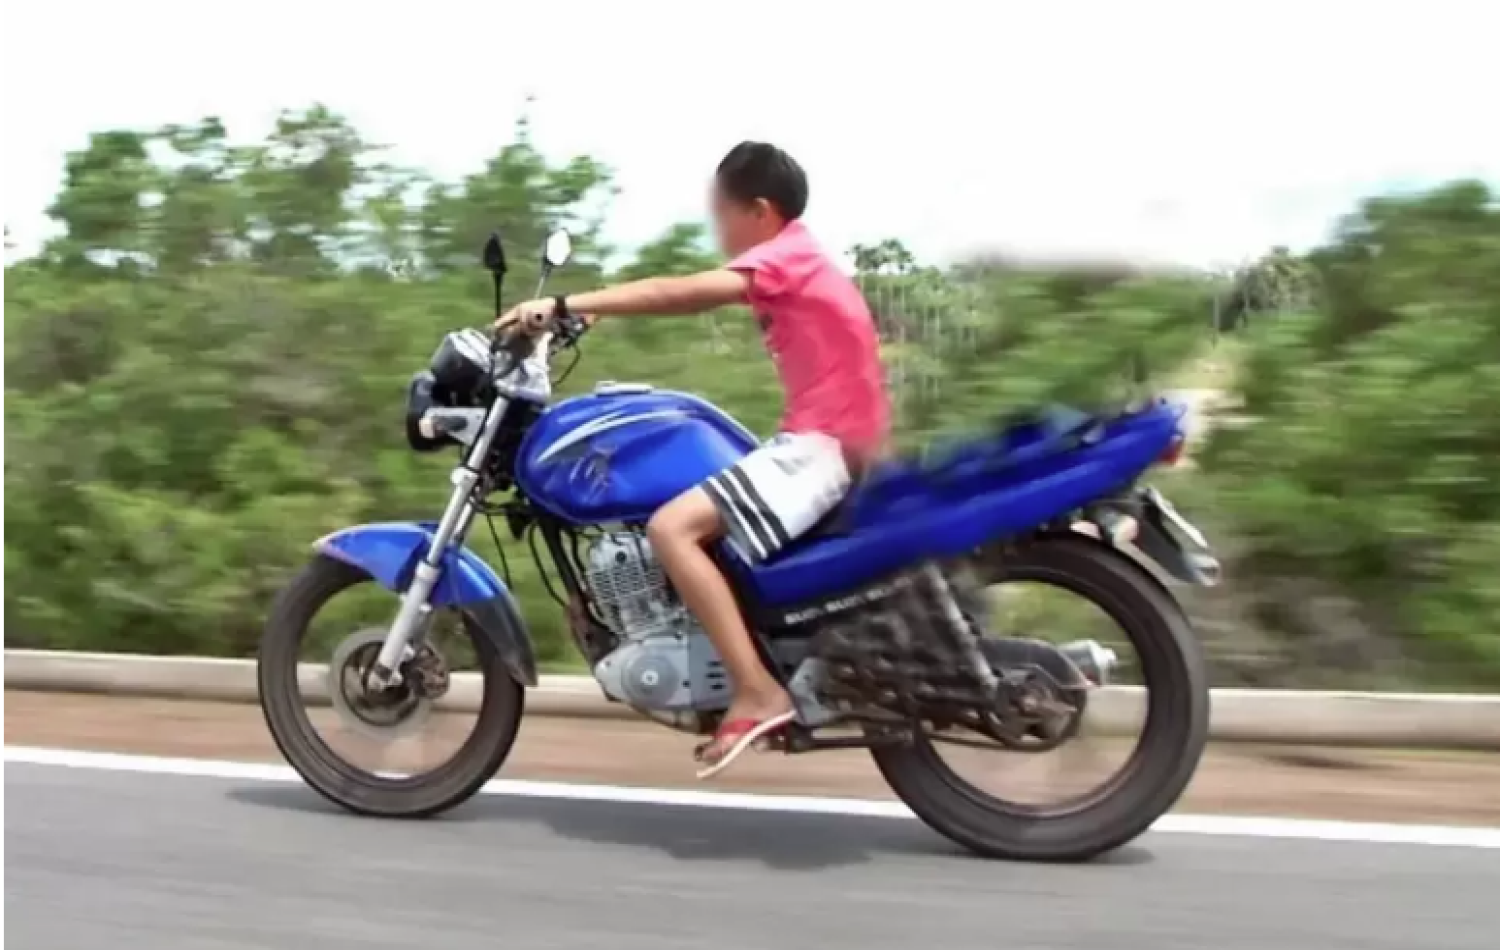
(878, 621)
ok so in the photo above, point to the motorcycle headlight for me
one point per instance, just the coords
(462, 364)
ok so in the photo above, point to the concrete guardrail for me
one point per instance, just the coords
(1454, 721)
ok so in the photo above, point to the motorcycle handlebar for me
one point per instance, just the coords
(519, 344)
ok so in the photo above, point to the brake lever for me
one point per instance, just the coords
(566, 323)
(570, 329)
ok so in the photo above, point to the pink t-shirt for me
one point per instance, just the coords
(818, 329)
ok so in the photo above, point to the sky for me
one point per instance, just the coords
(1180, 132)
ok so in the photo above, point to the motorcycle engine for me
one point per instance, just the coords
(666, 663)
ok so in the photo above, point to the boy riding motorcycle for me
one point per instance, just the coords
(819, 332)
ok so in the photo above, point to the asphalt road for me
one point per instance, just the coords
(122, 860)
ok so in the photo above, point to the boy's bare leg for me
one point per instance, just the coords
(678, 533)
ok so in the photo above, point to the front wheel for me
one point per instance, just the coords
(389, 718)
(1161, 765)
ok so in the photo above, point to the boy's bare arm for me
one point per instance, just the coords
(665, 296)
(654, 296)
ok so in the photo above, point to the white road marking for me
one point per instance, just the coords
(1285, 828)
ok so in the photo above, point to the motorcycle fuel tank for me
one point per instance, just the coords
(621, 452)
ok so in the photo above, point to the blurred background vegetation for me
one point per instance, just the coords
(206, 370)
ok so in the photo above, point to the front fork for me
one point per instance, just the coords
(410, 624)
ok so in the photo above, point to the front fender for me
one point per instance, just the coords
(389, 552)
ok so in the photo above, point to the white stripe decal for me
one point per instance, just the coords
(603, 424)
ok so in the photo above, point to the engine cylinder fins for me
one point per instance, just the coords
(629, 587)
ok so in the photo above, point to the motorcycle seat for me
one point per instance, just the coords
(1035, 435)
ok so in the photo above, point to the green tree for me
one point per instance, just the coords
(202, 216)
(984, 340)
(102, 202)
(206, 370)
(522, 196)
(1363, 487)
(889, 256)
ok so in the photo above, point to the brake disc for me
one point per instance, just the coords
(384, 715)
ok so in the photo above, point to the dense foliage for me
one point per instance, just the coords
(1363, 486)
(205, 372)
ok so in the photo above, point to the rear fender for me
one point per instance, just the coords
(1158, 542)
(389, 552)
(1185, 557)
(1077, 537)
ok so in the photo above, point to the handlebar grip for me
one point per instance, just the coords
(519, 344)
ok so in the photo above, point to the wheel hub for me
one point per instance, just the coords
(389, 712)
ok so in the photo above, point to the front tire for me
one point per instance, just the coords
(450, 784)
(1164, 760)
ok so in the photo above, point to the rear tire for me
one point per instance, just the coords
(1164, 760)
(361, 792)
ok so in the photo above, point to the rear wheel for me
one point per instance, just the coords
(387, 716)
(1171, 742)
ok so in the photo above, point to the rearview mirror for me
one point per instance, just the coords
(494, 255)
(558, 249)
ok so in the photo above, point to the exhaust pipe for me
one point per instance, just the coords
(1094, 661)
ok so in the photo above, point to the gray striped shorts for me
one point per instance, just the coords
(779, 491)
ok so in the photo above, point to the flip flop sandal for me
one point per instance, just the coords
(742, 734)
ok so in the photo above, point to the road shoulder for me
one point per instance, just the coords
(1363, 785)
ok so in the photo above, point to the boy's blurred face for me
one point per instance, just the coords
(739, 226)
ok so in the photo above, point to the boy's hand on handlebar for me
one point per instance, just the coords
(531, 318)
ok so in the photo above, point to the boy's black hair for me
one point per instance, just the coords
(754, 170)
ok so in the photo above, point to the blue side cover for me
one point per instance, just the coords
(389, 551)
(618, 456)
